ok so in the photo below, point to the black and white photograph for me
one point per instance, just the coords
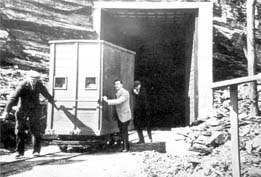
(130, 88)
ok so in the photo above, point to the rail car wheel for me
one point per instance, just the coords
(63, 148)
(115, 139)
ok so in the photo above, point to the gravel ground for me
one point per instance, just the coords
(167, 156)
(98, 165)
(130, 164)
(177, 161)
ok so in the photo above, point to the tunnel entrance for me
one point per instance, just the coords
(163, 42)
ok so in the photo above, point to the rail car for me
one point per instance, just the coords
(81, 72)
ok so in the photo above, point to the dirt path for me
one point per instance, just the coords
(103, 164)
(98, 165)
(143, 161)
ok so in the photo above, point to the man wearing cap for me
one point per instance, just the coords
(141, 111)
(26, 96)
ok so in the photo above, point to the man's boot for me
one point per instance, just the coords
(141, 137)
(126, 146)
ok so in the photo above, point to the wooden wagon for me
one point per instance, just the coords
(81, 72)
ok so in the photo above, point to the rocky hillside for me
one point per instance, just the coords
(229, 39)
(26, 26)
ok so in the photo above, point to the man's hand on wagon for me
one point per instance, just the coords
(105, 99)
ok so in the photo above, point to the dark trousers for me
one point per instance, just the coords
(140, 132)
(123, 127)
(141, 122)
(35, 129)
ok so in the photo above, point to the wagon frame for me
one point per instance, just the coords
(81, 72)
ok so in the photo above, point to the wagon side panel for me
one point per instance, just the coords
(118, 63)
(111, 66)
(127, 75)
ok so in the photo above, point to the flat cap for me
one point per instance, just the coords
(136, 83)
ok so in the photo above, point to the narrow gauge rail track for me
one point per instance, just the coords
(27, 163)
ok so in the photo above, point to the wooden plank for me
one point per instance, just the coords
(194, 70)
(240, 80)
(155, 146)
(234, 131)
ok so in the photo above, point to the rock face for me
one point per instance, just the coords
(230, 39)
(27, 26)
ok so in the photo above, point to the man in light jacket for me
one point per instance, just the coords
(122, 104)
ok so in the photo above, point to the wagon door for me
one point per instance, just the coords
(88, 94)
(63, 84)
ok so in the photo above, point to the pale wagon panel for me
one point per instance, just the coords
(82, 71)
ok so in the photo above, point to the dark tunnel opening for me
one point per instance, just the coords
(162, 40)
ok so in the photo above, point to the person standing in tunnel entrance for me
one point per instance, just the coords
(141, 111)
(27, 97)
(123, 111)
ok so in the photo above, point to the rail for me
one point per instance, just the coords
(233, 89)
(17, 166)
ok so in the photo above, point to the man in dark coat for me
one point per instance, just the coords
(141, 111)
(26, 96)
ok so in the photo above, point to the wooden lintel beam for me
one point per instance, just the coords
(236, 81)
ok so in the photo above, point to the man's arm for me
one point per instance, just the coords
(47, 95)
(13, 99)
(119, 100)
